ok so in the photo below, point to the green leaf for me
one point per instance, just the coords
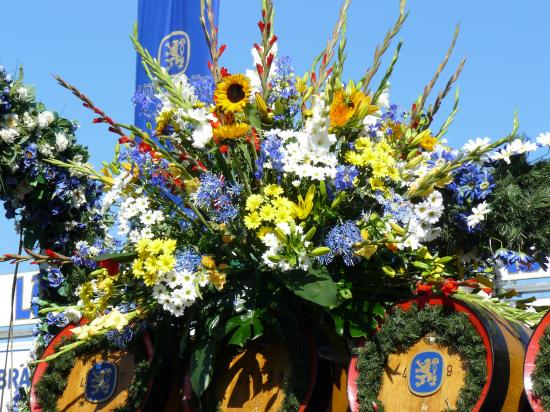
(202, 365)
(241, 335)
(119, 257)
(316, 286)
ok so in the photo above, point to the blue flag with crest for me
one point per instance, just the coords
(171, 31)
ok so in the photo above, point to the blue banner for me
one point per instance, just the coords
(171, 31)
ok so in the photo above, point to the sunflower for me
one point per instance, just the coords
(232, 93)
(231, 131)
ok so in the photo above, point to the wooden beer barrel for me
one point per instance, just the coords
(428, 377)
(98, 381)
(256, 378)
(530, 361)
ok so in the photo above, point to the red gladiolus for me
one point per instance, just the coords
(270, 59)
(423, 288)
(260, 69)
(329, 71)
(144, 147)
(314, 77)
(273, 40)
(449, 286)
(112, 266)
(51, 254)
(222, 49)
(261, 25)
(224, 148)
(224, 72)
(124, 139)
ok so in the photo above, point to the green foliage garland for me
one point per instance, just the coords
(541, 374)
(54, 381)
(401, 331)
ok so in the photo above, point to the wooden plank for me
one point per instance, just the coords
(73, 398)
(254, 379)
(395, 393)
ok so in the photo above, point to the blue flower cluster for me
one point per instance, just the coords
(187, 260)
(145, 102)
(392, 114)
(345, 176)
(514, 260)
(218, 197)
(283, 89)
(340, 241)
(54, 208)
(397, 207)
(56, 319)
(6, 79)
(204, 87)
(472, 183)
(270, 149)
(122, 338)
(53, 276)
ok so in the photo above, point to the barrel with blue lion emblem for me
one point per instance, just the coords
(95, 377)
(438, 353)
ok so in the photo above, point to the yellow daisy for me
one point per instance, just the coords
(232, 93)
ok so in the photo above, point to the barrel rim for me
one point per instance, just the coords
(353, 373)
(187, 393)
(50, 350)
(533, 349)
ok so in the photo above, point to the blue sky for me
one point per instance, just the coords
(507, 44)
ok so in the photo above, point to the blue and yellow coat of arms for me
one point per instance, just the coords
(174, 52)
(426, 373)
(101, 382)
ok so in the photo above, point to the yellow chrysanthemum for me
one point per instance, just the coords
(273, 190)
(156, 246)
(262, 231)
(232, 93)
(254, 202)
(231, 131)
(166, 263)
(252, 220)
(267, 212)
(428, 142)
(142, 247)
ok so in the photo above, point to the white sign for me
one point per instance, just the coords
(26, 287)
(17, 372)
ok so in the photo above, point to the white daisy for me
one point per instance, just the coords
(544, 139)
(477, 144)
(478, 214)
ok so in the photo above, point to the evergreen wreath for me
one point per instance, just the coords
(401, 331)
(541, 374)
(54, 381)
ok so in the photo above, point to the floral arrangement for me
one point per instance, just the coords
(259, 199)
